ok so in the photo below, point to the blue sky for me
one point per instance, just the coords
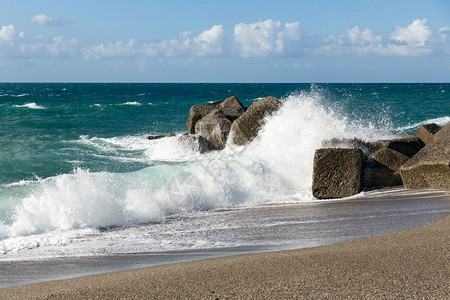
(225, 41)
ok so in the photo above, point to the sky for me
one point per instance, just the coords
(225, 41)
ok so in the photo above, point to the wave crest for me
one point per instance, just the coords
(31, 105)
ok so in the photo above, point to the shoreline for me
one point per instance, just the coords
(412, 262)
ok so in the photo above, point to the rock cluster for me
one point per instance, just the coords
(343, 167)
(430, 167)
(420, 161)
(214, 122)
(230, 107)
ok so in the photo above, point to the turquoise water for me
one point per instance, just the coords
(74, 158)
(41, 125)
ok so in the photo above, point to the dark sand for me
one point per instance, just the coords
(411, 264)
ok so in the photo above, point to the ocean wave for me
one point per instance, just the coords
(31, 105)
(19, 183)
(275, 168)
(258, 98)
(166, 149)
(133, 103)
(126, 143)
(442, 121)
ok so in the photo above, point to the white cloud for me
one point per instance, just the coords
(41, 19)
(353, 41)
(45, 20)
(414, 35)
(118, 49)
(264, 38)
(207, 43)
(7, 33)
(364, 38)
(444, 33)
(57, 46)
(404, 41)
(259, 39)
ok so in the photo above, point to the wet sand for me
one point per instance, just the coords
(410, 264)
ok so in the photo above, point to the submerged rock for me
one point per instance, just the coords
(247, 126)
(157, 137)
(426, 132)
(337, 173)
(230, 107)
(214, 127)
(430, 167)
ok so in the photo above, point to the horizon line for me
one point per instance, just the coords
(224, 82)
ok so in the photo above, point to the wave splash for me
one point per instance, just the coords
(31, 105)
(442, 121)
(273, 168)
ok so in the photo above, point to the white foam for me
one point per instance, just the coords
(134, 103)
(442, 121)
(130, 143)
(31, 105)
(84, 199)
(169, 149)
(274, 168)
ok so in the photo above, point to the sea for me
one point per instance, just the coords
(79, 176)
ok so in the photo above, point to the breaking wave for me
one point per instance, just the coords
(31, 105)
(274, 167)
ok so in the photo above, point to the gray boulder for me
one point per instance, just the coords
(430, 167)
(214, 127)
(366, 147)
(382, 168)
(382, 177)
(231, 102)
(337, 173)
(389, 158)
(247, 126)
(426, 132)
(443, 134)
(194, 142)
(408, 146)
(231, 107)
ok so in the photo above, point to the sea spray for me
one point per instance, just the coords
(122, 180)
(278, 164)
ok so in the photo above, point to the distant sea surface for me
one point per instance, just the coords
(75, 163)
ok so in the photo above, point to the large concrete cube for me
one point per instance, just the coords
(337, 173)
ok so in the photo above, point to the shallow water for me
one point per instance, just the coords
(228, 232)
(77, 171)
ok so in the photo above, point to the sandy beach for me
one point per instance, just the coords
(411, 264)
